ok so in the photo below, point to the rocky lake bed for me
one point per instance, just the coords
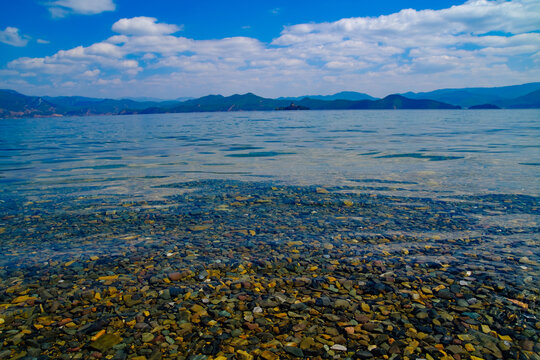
(223, 269)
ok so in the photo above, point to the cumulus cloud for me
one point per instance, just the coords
(478, 43)
(11, 36)
(61, 8)
(91, 73)
(143, 25)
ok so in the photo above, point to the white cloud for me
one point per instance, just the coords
(143, 25)
(479, 43)
(79, 59)
(91, 73)
(11, 36)
(43, 41)
(61, 8)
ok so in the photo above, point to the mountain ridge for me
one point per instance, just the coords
(343, 95)
(501, 96)
(16, 105)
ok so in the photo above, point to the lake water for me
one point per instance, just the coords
(315, 233)
(55, 168)
(436, 153)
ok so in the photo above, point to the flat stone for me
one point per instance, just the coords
(268, 355)
(341, 304)
(363, 354)
(294, 351)
(422, 315)
(106, 342)
(147, 337)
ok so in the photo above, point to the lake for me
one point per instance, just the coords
(341, 234)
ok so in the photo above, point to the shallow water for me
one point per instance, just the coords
(83, 164)
(79, 165)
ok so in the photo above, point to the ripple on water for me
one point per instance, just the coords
(259, 154)
(420, 156)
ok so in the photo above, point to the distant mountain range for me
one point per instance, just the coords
(512, 97)
(16, 105)
(344, 95)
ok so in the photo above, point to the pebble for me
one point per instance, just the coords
(338, 347)
(147, 337)
(106, 342)
(294, 351)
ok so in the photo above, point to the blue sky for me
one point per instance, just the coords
(187, 48)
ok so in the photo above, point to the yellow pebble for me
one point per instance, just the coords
(98, 335)
(439, 288)
(347, 202)
(20, 299)
(106, 278)
(469, 347)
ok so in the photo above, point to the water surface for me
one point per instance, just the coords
(435, 152)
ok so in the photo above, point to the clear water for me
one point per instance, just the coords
(59, 175)
(435, 153)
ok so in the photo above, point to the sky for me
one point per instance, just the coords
(189, 48)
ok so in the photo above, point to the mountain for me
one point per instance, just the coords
(315, 104)
(77, 105)
(530, 100)
(467, 97)
(147, 98)
(14, 104)
(185, 98)
(252, 102)
(245, 102)
(344, 95)
(484, 107)
(400, 102)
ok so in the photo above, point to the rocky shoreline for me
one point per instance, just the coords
(238, 270)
